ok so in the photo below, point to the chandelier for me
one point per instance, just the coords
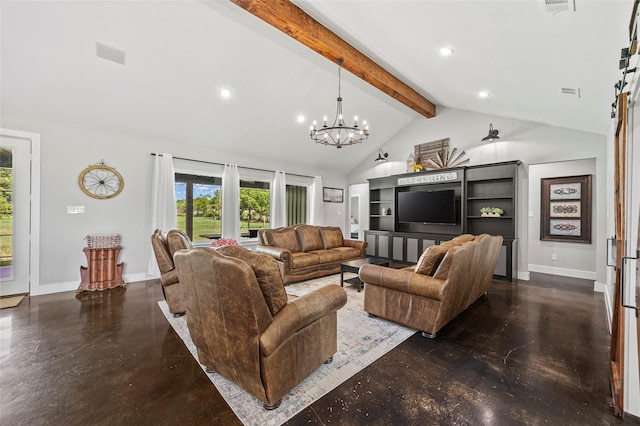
(339, 134)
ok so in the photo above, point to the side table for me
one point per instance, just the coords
(102, 271)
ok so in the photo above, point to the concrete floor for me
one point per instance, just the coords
(527, 353)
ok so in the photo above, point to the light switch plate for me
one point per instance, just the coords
(75, 209)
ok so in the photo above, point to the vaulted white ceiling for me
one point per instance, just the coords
(179, 54)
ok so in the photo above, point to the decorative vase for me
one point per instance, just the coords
(490, 215)
(410, 163)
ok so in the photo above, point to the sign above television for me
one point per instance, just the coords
(431, 178)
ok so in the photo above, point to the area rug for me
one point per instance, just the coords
(361, 340)
(10, 302)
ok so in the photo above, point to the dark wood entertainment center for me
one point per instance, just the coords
(488, 185)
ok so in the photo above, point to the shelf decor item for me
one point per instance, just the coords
(491, 212)
(410, 163)
(565, 206)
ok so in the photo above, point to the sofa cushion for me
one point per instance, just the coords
(331, 237)
(328, 256)
(267, 273)
(302, 259)
(430, 259)
(285, 238)
(348, 253)
(309, 238)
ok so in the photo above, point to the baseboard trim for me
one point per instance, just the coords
(563, 272)
(599, 287)
(54, 288)
(73, 285)
(524, 276)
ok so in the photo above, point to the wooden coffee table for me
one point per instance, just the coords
(354, 266)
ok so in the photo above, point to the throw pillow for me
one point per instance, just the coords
(267, 273)
(461, 239)
(331, 237)
(430, 260)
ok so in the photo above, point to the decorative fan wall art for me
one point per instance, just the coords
(437, 155)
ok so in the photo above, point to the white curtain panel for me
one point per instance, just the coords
(231, 202)
(316, 207)
(278, 214)
(163, 203)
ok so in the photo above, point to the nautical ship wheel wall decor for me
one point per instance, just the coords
(101, 181)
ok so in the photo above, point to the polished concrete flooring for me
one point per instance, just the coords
(528, 353)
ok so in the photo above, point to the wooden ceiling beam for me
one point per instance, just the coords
(293, 21)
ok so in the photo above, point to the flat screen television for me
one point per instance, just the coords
(427, 206)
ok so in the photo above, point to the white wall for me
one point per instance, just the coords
(573, 259)
(528, 142)
(66, 151)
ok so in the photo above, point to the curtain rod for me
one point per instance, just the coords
(222, 164)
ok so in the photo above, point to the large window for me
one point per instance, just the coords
(255, 204)
(199, 206)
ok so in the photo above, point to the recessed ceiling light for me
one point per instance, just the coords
(225, 93)
(300, 118)
(446, 51)
(484, 94)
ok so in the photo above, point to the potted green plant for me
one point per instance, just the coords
(491, 212)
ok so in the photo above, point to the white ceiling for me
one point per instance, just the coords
(179, 54)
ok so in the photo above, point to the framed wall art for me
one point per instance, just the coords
(332, 195)
(566, 209)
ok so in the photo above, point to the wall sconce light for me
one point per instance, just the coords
(382, 156)
(492, 136)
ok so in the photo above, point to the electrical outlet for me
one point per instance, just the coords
(554, 256)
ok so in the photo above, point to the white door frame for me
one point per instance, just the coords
(34, 225)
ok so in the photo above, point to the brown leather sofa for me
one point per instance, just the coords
(306, 251)
(245, 329)
(164, 247)
(447, 279)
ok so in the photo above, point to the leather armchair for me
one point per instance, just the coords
(245, 329)
(164, 247)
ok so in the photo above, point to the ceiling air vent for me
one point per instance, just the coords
(110, 53)
(556, 6)
(569, 92)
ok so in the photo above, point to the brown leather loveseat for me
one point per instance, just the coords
(447, 279)
(245, 329)
(306, 251)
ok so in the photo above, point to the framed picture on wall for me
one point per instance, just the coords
(332, 195)
(566, 209)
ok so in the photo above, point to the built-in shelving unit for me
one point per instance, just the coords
(491, 185)
(381, 206)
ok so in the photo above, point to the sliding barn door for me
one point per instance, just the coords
(617, 323)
